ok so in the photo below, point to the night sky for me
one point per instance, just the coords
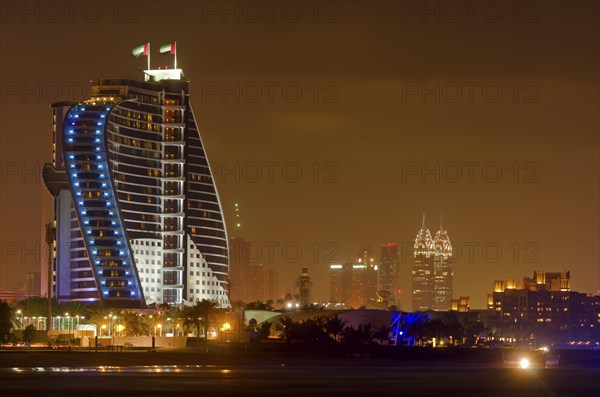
(361, 98)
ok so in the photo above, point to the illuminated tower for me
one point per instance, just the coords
(442, 273)
(423, 270)
(137, 212)
(304, 284)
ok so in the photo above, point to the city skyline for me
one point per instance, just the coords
(376, 133)
(325, 197)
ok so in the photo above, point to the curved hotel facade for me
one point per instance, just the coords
(137, 214)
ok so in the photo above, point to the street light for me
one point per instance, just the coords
(20, 313)
(68, 328)
(21, 323)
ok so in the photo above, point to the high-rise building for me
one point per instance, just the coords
(352, 283)
(364, 284)
(442, 270)
(340, 283)
(256, 284)
(423, 269)
(272, 285)
(34, 284)
(137, 214)
(389, 273)
(432, 270)
(239, 269)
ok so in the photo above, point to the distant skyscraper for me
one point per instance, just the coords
(442, 270)
(340, 283)
(272, 285)
(423, 270)
(256, 285)
(304, 284)
(432, 270)
(137, 214)
(239, 272)
(34, 284)
(389, 273)
(364, 284)
(352, 283)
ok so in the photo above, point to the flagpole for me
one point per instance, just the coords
(175, 55)
(148, 55)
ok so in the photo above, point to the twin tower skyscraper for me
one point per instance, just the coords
(432, 274)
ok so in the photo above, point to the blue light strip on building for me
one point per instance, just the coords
(93, 196)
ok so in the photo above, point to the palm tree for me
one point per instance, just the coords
(361, 334)
(97, 314)
(35, 306)
(200, 314)
(382, 333)
(259, 305)
(288, 327)
(313, 330)
(7, 320)
(134, 324)
(74, 309)
(334, 326)
(237, 305)
(413, 324)
(264, 331)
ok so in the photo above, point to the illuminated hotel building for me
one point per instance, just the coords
(137, 214)
(432, 275)
(546, 303)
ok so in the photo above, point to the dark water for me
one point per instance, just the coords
(330, 378)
